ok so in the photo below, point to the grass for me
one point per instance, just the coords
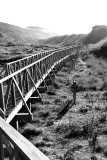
(91, 74)
(81, 131)
(9, 53)
(30, 131)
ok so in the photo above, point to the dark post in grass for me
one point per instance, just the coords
(74, 91)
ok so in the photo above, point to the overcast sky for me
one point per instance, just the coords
(58, 16)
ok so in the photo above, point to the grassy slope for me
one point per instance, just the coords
(62, 40)
(98, 33)
(11, 53)
(94, 73)
(82, 129)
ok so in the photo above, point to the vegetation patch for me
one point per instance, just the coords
(77, 133)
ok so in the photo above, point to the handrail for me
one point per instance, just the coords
(26, 67)
(37, 54)
(18, 64)
(18, 145)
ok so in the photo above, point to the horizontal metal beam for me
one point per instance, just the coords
(24, 116)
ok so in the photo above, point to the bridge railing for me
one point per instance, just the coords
(14, 146)
(18, 64)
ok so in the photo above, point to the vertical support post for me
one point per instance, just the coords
(27, 82)
(74, 92)
(13, 94)
(30, 106)
(20, 82)
(7, 70)
(1, 147)
(17, 125)
(2, 102)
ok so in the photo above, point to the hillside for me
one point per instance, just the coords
(17, 41)
(98, 33)
(80, 132)
(96, 41)
(62, 40)
(96, 38)
(15, 34)
(36, 35)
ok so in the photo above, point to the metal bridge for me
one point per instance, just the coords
(21, 81)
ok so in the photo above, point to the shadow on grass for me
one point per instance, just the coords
(31, 132)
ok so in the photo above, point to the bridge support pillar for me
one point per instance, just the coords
(34, 99)
(23, 116)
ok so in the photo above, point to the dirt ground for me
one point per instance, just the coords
(81, 133)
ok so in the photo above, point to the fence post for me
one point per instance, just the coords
(1, 147)
(74, 91)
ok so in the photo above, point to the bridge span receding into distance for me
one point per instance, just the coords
(21, 82)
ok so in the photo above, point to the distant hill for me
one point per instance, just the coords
(15, 34)
(53, 40)
(98, 33)
(62, 40)
(36, 35)
(96, 41)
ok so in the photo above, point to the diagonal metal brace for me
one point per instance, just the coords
(33, 83)
(15, 82)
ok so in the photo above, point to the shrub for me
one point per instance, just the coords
(49, 123)
(42, 144)
(102, 118)
(74, 131)
(97, 108)
(105, 95)
(46, 114)
(46, 138)
(105, 151)
(83, 109)
(96, 76)
(69, 130)
(105, 108)
(50, 93)
(69, 155)
(55, 85)
(57, 101)
(31, 132)
(98, 149)
(92, 132)
(93, 158)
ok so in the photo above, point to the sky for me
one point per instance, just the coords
(57, 16)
